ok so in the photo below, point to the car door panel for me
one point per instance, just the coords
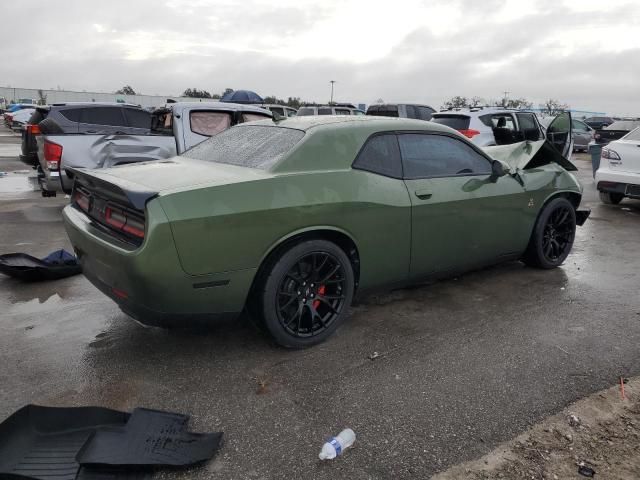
(459, 222)
(462, 215)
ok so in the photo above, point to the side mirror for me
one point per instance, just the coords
(499, 169)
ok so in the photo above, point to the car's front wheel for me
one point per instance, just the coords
(611, 198)
(307, 293)
(553, 235)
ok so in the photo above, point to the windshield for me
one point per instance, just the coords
(457, 122)
(247, 146)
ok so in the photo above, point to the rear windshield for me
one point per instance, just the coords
(383, 111)
(306, 111)
(634, 135)
(247, 146)
(623, 125)
(458, 122)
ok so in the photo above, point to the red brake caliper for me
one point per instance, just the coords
(316, 303)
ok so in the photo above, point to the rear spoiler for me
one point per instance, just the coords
(120, 191)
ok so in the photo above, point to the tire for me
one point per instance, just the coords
(611, 198)
(552, 236)
(305, 293)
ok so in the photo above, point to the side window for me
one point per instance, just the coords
(439, 156)
(380, 155)
(138, 118)
(343, 111)
(72, 114)
(278, 110)
(503, 121)
(108, 116)
(411, 111)
(209, 123)
(579, 126)
(528, 126)
(425, 113)
(324, 111)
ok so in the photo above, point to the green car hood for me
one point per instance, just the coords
(523, 155)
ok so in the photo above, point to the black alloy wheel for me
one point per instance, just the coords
(553, 235)
(559, 232)
(307, 293)
(311, 295)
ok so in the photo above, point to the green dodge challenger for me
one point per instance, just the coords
(289, 219)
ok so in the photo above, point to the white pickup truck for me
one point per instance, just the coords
(173, 130)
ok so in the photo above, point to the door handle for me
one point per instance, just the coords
(423, 194)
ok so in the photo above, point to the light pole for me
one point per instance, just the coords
(331, 82)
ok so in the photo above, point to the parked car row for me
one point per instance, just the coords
(100, 135)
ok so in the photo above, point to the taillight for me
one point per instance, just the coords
(124, 221)
(469, 132)
(33, 129)
(52, 155)
(81, 200)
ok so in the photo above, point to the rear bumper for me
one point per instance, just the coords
(625, 183)
(148, 283)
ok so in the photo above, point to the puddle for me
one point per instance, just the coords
(12, 185)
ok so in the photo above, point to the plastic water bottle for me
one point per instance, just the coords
(335, 446)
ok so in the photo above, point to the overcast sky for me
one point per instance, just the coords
(583, 52)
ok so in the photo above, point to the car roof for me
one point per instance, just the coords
(372, 123)
(477, 112)
(94, 104)
(222, 106)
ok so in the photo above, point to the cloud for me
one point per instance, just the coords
(585, 53)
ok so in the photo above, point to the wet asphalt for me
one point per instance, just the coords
(462, 364)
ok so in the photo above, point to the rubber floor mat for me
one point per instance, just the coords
(46, 443)
(150, 438)
(58, 264)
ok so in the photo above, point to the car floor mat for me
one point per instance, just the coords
(58, 264)
(150, 438)
(46, 443)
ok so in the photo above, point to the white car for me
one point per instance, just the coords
(619, 173)
(492, 126)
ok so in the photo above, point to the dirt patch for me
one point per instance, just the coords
(597, 435)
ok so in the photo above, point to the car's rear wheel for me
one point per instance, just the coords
(553, 235)
(307, 293)
(611, 198)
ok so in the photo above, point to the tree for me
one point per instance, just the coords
(195, 93)
(553, 107)
(126, 90)
(455, 102)
(294, 102)
(43, 97)
(518, 103)
(476, 102)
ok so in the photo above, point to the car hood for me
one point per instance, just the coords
(144, 180)
(523, 155)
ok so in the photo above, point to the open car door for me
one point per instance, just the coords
(559, 133)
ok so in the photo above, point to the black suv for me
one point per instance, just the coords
(90, 117)
(402, 110)
(598, 122)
